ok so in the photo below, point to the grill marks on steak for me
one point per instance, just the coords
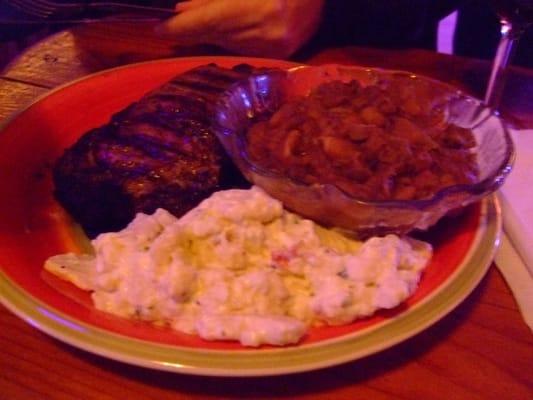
(158, 152)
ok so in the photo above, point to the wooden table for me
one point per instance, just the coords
(482, 350)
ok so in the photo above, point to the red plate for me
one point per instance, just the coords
(33, 226)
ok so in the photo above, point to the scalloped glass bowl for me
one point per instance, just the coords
(264, 92)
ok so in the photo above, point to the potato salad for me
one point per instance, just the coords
(240, 267)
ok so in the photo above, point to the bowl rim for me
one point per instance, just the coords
(481, 188)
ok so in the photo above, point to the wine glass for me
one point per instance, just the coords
(515, 17)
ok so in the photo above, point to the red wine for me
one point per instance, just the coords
(518, 12)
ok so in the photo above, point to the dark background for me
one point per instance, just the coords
(386, 23)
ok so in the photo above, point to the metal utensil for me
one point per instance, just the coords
(50, 11)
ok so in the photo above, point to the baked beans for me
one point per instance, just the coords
(387, 141)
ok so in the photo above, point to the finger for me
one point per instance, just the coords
(251, 42)
(228, 40)
(211, 17)
(186, 23)
(190, 4)
(197, 17)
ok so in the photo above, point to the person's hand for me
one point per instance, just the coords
(267, 28)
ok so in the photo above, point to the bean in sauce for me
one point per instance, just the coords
(386, 141)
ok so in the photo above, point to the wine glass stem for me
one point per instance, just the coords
(508, 40)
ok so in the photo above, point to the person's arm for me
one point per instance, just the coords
(267, 28)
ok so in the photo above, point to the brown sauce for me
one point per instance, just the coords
(382, 142)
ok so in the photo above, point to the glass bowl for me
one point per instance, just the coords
(263, 93)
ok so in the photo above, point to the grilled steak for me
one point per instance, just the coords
(158, 152)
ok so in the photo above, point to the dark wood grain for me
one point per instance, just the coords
(481, 350)
(15, 95)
